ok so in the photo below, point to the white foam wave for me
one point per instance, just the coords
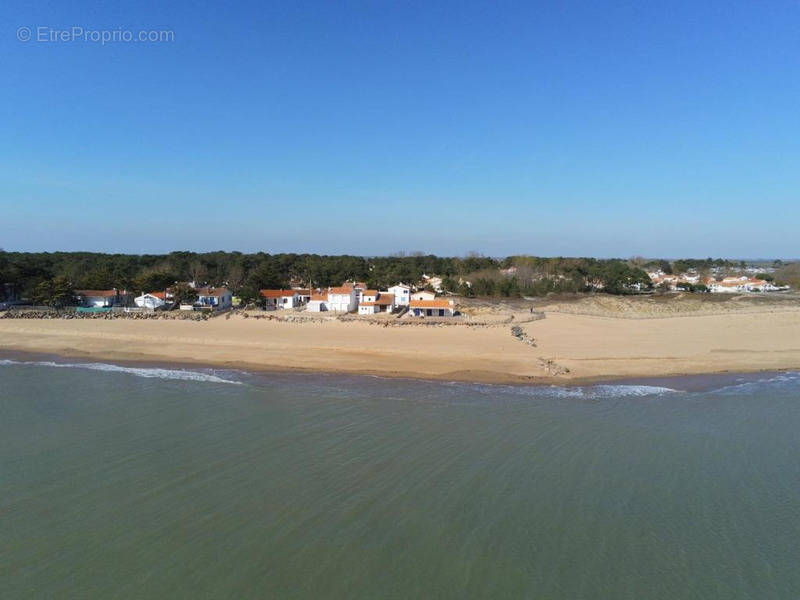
(632, 390)
(598, 391)
(154, 372)
(779, 379)
(601, 391)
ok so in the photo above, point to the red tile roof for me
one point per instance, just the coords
(431, 304)
(340, 290)
(278, 293)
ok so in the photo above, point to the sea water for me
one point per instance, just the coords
(140, 482)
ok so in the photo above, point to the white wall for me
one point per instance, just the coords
(316, 306)
(223, 301)
(342, 302)
(401, 295)
(423, 312)
(288, 301)
(148, 301)
(423, 295)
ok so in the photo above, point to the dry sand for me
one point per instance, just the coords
(591, 347)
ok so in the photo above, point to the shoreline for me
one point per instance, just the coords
(132, 360)
(696, 381)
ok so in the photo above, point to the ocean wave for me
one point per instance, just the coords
(601, 391)
(148, 372)
(586, 392)
(777, 380)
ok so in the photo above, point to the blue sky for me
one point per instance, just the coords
(548, 128)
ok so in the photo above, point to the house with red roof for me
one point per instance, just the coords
(439, 307)
(343, 299)
(152, 300)
(374, 302)
(335, 299)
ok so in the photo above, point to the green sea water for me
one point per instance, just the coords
(158, 483)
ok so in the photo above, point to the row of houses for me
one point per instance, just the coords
(350, 297)
(733, 284)
(207, 297)
(356, 297)
(741, 284)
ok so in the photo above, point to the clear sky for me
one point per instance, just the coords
(370, 127)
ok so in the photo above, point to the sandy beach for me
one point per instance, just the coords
(590, 346)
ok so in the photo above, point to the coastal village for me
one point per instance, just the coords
(401, 300)
(398, 289)
(351, 297)
(692, 281)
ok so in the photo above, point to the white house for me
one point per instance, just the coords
(369, 296)
(358, 286)
(317, 303)
(401, 293)
(436, 282)
(733, 285)
(303, 295)
(274, 299)
(760, 285)
(376, 302)
(151, 301)
(432, 308)
(342, 299)
(423, 295)
(215, 297)
(771, 287)
(101, 298)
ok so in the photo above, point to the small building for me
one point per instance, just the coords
(432, 308)
(359, 286)
(342, 299)
(275, 299)
(376, 302)
(401, 293)
(436, 282)
(423, 295)
(317, 303)
(742, 284)
(217, 298)
(303, 295)
(150, 300)
(369, 295)
(102, 298)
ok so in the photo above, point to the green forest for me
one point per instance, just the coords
(57, 274)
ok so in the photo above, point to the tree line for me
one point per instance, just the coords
(56, 275)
